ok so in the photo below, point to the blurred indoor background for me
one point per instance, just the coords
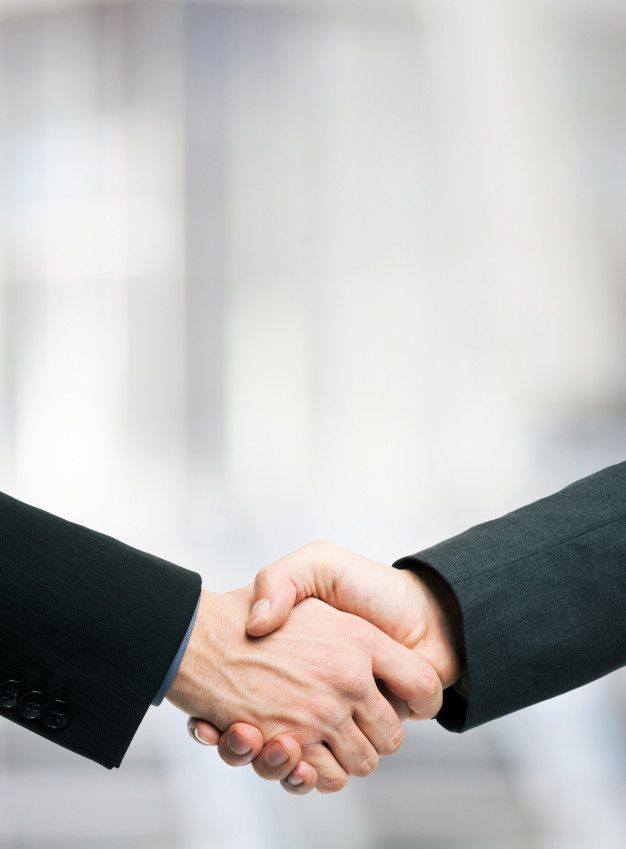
(279, 270)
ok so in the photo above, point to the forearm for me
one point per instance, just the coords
(89, 620)
(542, 594)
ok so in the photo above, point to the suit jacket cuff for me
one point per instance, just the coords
(542, 593)
(173, 670)
(87, 620)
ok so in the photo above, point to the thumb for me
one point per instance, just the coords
(275, 595)
(314, 570)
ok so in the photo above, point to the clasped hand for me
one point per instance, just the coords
(313, 669)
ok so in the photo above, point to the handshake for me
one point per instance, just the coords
(308, 674)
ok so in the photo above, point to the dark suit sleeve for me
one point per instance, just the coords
(88, 630)
(542, 593)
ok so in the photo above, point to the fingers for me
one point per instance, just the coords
(331, 777)
(203, 732)
(352, 750)
(240, 744)
(380, 723)
(408, 676)
(302, 780)
(278, 759)
(399, 705)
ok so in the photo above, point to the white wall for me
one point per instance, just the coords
(270, 273)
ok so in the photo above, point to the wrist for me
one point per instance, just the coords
(175, 665)
(443, 644)
(199, 662)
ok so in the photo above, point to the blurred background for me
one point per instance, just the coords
(279, 270)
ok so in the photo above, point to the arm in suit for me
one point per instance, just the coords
(88, 630)
(527, 606)
(542, 593)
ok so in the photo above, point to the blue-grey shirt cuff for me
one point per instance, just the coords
(171, 674)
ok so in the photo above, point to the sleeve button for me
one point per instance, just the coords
(9, 693)
(29, 706)
(56, 715)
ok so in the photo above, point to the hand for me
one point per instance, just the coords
(313, 680)
(242, 744)
(420, 612)
(278, 760)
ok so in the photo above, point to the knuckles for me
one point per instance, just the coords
(368, 765)
(397, 740)
(324, 715)
(263, 574)
(390, 747)
(332, 784)
(425, 687)
(320, 549)
(353, 685)
(428, 710)
(317, 545)
(432, 685)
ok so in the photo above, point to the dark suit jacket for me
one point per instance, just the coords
(88, 630)
(542, 593)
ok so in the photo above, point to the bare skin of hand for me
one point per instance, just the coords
(418, 611)
(313, 680)
(409, 608)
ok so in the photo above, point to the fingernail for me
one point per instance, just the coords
(238, 745)
(199, 738)
(259, 609)
(294, 780)
(276, 755)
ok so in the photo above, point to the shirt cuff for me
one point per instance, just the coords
(172, 671)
